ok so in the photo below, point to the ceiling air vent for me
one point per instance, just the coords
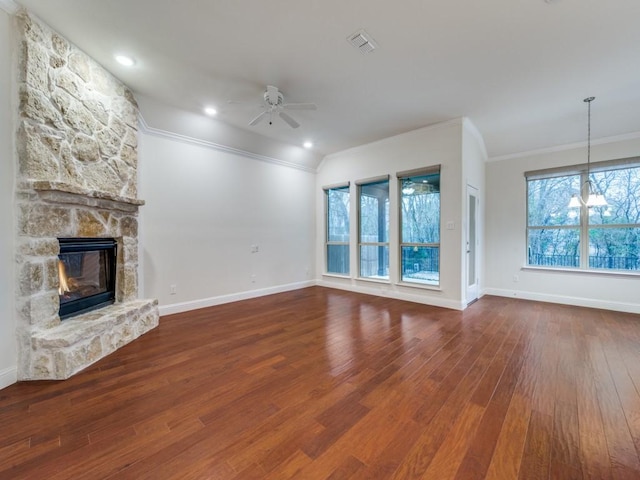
(363, 42)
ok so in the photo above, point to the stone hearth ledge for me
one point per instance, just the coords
(61, 351)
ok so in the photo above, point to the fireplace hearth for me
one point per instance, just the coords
(87, 274)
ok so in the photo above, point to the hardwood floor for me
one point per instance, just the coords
(324, 384)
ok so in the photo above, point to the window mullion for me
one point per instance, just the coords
(584, 222)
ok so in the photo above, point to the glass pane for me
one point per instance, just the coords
(614, 248)
(554, 248)
(621, 188)
(338, 259)
(374, 212)
(420, 209)
(82, 274)
(548, 201)
(374, 261)
(471, 246)
(421, 265)
(338, 214)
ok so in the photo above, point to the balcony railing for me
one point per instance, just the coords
(595, 261)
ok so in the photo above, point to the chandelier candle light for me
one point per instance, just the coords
(595, 198)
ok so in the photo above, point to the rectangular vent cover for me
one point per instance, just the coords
(363, 42)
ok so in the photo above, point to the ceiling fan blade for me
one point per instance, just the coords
(292, 123)
(300, 106)
(256, 120)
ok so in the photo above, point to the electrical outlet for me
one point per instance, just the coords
(173, 289)
(516, 279)
(253, 278)
(255, 248)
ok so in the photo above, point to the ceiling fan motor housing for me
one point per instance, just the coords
(273, 97)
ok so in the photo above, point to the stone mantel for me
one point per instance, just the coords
(65, 193)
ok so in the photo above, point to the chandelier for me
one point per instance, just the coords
(595, 197)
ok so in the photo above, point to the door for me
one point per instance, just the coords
(472, 245)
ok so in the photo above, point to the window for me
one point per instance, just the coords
(373, 229)
(554, 229)
(420, 226)
(337, 246)
(585, 237)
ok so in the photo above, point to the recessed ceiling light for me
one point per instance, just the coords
(210, 111)
(307, 144)
(125, 60)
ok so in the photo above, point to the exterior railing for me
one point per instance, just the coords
(595, 261)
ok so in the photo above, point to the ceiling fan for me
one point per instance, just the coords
(274, 104)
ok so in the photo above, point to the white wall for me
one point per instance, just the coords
(438, 144)
(8, 356)
(506, 237)
(205, 208)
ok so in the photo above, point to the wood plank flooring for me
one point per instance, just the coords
(325, 384)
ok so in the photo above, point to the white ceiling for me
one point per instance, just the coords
(518, 69)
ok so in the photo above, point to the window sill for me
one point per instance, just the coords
(384, 281)
(420, 286)
(582, 271)
(337, 275)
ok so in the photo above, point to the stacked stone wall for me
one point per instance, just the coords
(78, 124)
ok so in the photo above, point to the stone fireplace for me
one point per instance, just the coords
(77, 178)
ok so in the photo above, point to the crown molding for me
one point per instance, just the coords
(9, 6)
(145, 128)
(569, 146)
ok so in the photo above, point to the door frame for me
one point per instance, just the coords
(472, 242)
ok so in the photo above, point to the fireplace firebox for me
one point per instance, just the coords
(87, 273)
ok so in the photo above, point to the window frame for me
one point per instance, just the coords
(327, 243)
(401, 176)
(363, 183)
(584, 226)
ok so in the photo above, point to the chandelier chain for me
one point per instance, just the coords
(589, 100)
(589, 138)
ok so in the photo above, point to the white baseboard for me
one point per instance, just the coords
(577, 301)
(396, 294)
(8, 376)
(233, 297)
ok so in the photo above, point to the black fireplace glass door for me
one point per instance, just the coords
(86, 270)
